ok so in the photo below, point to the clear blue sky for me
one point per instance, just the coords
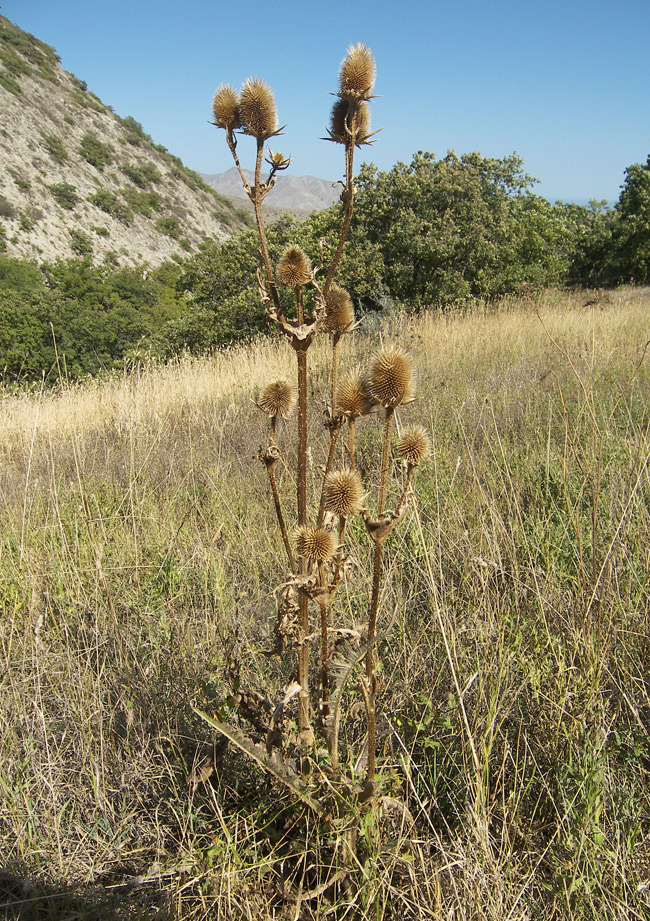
(565, 83)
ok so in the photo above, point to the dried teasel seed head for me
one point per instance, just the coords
(277, 399)
(414, 446)
(357, 72)
(391, 377)
(225, 107)
(294, 268)
(350, 120)
(343, 493)
(257, 109)
(278, 160)
(339, 312)
(315, 544)
(352, 397)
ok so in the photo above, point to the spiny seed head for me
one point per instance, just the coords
(350, 120)
(339, 312)
(277, 399)
(414, 446)
(315, 544)
(343, 493)
(225, 107)
(257, 109)
(391, 377)
(352, 396)
(357, 72)
(294, 268)
(278, 160)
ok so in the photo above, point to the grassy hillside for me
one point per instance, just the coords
(138, 558)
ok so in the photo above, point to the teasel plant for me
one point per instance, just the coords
(304, 301)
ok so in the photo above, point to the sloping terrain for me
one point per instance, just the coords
(76, 179)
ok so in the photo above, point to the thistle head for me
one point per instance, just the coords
(350, 120)
(257, 109)
(391, 377)
(294, 268)
(357, 73)
(315, 544)
(339, 312)
(225, 107)
(343, 493)
(277, 399)
(352, 397)
(414, 446)
(278, 160)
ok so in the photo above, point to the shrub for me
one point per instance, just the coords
(6, 208)
(170, 226)
(95, 152)
(142, 174)
(142, 202)
(81, 243)
(65, 195)
(54, 147)
(111, 204)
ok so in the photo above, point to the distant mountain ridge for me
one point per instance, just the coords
(302, 193)
(76, 179)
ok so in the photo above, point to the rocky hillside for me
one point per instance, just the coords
(77, 179)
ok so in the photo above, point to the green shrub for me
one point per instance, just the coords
(111, 204)
(142, 202)
(81, 243)
(169, 226)
(54, 147)
(65, 195)
(141, 173)
(102, 231)
(95, 152)
(6, 208)
(3, 239)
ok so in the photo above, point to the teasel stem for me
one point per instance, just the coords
(410, 470)
(388, 424)
(257, 197)
(353, 464)
(270, 467)
(303, 600)
(324, 650)
(370, 692)
(334, 437)
(348, 197)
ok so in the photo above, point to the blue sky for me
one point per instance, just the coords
(564, 83)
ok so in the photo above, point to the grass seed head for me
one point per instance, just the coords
(352, 396)
(225, 107)
(357, 73)
(414, 446)
(315, 544)
(339, 312)
(257, 109)
(344, 492)
(294, 268)
(277, 399)
(391, 377)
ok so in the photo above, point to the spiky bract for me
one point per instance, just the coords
(357, 72)
(339, 312)
(277, 399)
(414, 446)
(225, 107)
(343, 492)
(315, 544)
(391, 377)
(350, 122)
(294, 268)
(257, 109)
(352, 397)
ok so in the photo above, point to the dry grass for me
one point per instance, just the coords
(137, 563)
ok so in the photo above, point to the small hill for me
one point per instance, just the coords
(291, 193)
(76, 179)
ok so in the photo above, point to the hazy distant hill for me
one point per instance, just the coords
(75, 178)
(291, 193)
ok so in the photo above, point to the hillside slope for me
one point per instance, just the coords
(76, 179)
